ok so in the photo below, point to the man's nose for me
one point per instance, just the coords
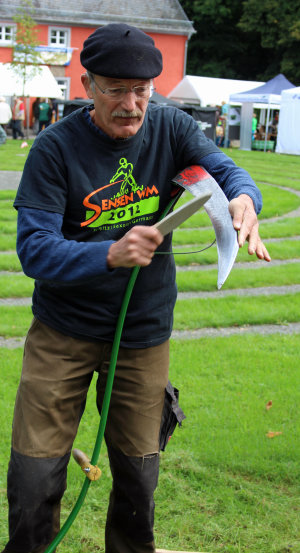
(129, 101)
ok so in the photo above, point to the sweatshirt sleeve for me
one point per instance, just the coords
(233, 179)
(45, 254)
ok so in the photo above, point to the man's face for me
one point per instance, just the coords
(119, 117)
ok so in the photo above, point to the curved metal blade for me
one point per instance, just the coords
(197, 181)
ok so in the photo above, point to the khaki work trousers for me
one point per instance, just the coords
(57, 372)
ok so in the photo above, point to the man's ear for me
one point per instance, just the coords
(87, 85)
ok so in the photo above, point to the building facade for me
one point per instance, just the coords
(63, 27)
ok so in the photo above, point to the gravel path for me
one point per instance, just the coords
(289, 328)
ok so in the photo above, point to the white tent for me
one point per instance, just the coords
(208, 91)
(288, 135)
(41, 85)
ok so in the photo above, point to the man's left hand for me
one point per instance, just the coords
(244, 220)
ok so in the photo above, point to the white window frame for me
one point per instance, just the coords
(64, 82)
(10, 41)
(65, 30)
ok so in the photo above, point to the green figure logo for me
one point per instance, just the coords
(129, 184)
(132, 202)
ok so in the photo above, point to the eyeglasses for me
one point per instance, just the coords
(140, 91)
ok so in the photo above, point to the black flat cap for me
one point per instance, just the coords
(121, 51)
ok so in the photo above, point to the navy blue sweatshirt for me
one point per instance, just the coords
(81, 190)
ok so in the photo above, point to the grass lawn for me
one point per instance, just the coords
(224, 485)
(10, 262)
(193, 281)
(286, 249)
(283, 170)
(236, 311)
(12, 156)
(14, 321)
(8, 242)
(191, 314)
(16, 286)
(187, 281)
(276, 202)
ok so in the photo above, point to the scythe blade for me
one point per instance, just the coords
(198, 181)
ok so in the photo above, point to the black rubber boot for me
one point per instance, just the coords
(34, 489)
(130, 517)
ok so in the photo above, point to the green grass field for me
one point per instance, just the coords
(226, 485)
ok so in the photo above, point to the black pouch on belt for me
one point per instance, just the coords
(171, 416)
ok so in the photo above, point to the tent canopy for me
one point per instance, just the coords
(268, 93)
(41, 85)
(289, 122)
(208, 91)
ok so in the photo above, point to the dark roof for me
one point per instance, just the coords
(164, 16)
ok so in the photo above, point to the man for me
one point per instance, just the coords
(18, 117)
(93, 186)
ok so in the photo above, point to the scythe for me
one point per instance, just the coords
(198, 181)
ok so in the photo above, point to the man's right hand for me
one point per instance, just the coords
(136, 247)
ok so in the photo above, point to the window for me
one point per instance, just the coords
(59, 37)
(7, 34)
(64, 83)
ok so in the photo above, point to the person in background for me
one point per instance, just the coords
(45, 114)
(18, 117)
(54, 109)
(254, 125)
(224, 109)
(35, 115)
(2, 135)
(5, 114)
(220, 133)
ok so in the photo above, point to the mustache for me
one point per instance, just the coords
(128, 114)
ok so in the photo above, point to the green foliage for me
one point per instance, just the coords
(276, 24)
(25, 56)
(253, 40)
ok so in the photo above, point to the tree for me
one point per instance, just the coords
(219, 48)
(26, 60)
(251, 40)
(276, 26)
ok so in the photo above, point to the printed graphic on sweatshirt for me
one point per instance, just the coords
(130, 203)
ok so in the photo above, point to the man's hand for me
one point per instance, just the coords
(245, 221)
(136, 247)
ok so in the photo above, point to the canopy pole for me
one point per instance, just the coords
(267, 126)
